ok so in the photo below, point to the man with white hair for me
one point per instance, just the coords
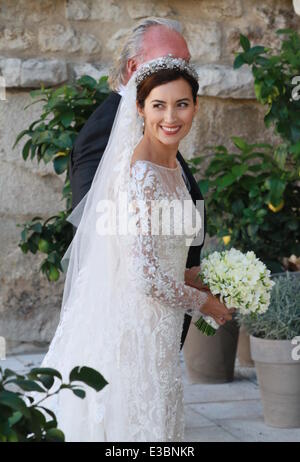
(150, 39)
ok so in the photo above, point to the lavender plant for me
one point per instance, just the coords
(282, 319)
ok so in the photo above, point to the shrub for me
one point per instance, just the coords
(51, 139)
(253, 201)
(21, 421)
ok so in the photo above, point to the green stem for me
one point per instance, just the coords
(205, 328)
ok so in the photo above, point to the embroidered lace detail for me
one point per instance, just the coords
(159, 261)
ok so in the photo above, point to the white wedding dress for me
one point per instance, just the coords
(138, 351)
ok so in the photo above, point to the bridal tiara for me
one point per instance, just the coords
(165, 62)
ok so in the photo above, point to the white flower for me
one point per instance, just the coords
(241, 280)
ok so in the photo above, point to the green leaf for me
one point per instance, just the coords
(239, 61)
(286, 31)
(89, 376)
(59, 91)
(280, 155)
(9, 373)
(53, 422)
(12, 401)
(256, 50)
(63, 142)
(196, 160)
(240, 143)
(276, 187)
(295, 134)
(252, 230)
(83, 102)
(87, 81)
(60, 163)
(25, 151)
(79, 392)
(40, 137)
(16, 417)
(204, 186)
(225, 181)
(20, 135)
(258, 90)
(12, 436)
(27, 385)
(239, 170)
(237, 206)
(244, 42)
(36, 371)
(67, 118)
(37, 228)
(35, 102)
(37, 417)
(24, 235)
(49, 153)
(262, 61)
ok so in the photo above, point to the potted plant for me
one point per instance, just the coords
(273, 342)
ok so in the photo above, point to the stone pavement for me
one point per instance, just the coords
(213, 413)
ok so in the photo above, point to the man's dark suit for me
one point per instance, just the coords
(86, 155)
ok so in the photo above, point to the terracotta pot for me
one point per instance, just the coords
(243, 349)
(279, 381)
(211, 359)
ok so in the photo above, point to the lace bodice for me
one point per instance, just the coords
(159, 260)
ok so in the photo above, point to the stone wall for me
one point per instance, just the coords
(54, 41)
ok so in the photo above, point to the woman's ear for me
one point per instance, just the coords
(140, 110)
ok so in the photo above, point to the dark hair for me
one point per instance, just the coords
(161, 77)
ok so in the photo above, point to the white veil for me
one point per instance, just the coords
(89, 250)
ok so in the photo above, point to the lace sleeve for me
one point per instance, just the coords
(154, 281)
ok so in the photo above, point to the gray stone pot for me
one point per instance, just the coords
(279, 381)
(243, 349)
(211, 359)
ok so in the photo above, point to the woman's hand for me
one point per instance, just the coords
(217, 310)
(213, 306)
(190, 278)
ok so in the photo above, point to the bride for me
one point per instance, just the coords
(125, 296)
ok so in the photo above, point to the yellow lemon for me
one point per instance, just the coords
(276, 209)
(60, 153)
(226, 239)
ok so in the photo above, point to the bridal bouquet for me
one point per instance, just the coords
(242, 281)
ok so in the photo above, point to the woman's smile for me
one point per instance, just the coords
(170, 130)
